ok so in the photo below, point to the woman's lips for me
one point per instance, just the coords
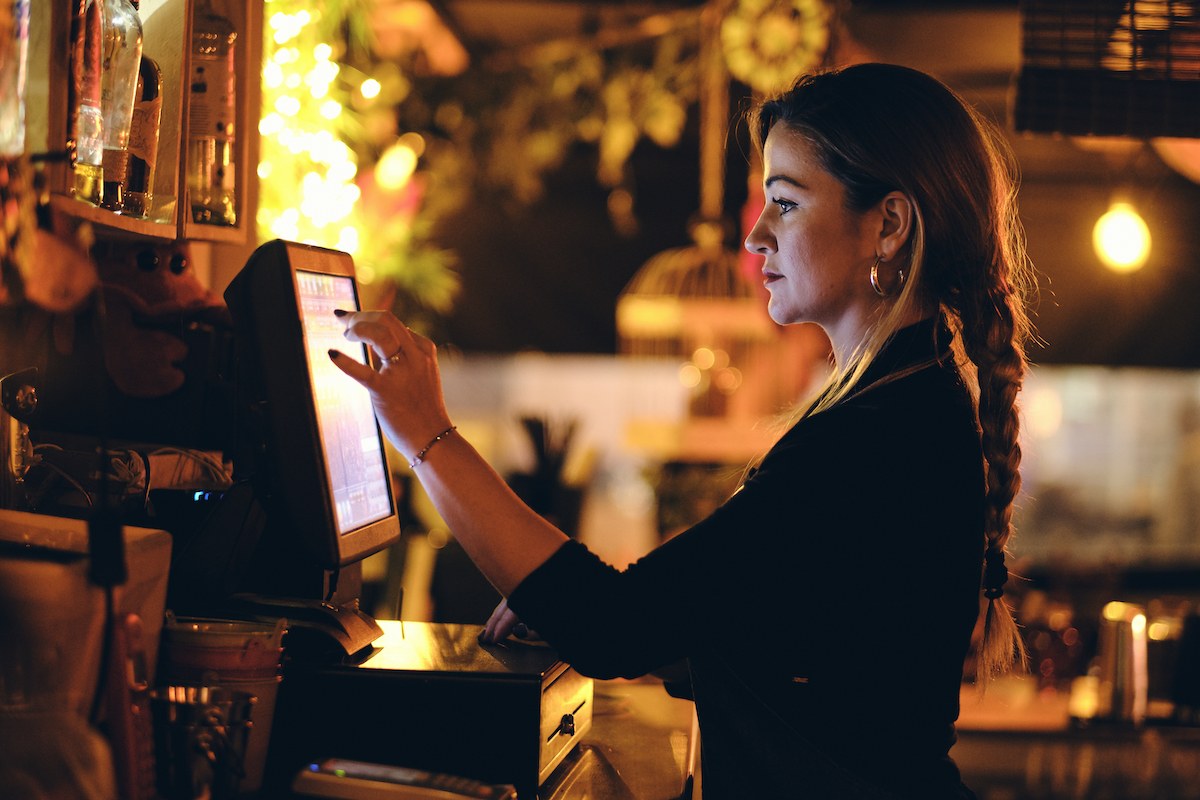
(770, 277)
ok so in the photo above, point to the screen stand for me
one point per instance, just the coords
(317, 630)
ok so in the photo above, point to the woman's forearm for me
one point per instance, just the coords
(504, 537)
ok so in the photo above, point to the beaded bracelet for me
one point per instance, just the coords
(419, 457)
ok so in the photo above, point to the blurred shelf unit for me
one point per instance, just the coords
(166, 36)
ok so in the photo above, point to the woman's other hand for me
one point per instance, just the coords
(503, 622)
(406, 390)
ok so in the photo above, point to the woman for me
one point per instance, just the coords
(826, 609)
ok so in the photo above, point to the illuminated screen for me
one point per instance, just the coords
(349, 435)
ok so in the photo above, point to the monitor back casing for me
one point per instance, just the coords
(274, 374)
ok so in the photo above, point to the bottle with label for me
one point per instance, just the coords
(86, 124)
(122, 54)
(143, 140)
(211, 163)
(14, 54)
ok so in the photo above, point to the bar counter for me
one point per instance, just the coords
(429, 696)
(1016, 743)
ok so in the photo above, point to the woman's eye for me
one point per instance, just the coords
(784, 205)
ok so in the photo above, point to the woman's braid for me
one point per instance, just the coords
(992, 339)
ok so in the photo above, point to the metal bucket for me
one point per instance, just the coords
(200, 737)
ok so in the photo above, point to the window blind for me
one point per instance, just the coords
(1109, 68)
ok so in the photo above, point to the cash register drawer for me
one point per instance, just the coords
(430, 697)
(566, 716)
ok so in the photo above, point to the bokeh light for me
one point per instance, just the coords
(1122, 238)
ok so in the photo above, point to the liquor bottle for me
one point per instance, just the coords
(211, 163)
(143, 140)
(122, 54)
(86, 124)
(13, 58)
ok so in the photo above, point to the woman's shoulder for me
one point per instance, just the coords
(929, 405)
(931, 391)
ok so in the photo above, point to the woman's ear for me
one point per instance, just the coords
(896, 223)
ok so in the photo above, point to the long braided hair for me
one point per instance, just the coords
(880, 128)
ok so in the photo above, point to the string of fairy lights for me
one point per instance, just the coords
(304, 162)
(308, 192)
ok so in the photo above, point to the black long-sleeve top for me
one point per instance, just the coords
(825, 610)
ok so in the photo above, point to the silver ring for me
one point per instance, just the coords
(395, 359)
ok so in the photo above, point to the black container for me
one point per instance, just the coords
(430, 697)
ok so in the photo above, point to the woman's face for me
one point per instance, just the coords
(818, 252)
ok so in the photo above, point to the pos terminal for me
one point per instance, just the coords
(418, 696)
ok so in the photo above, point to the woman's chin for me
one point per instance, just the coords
(777, 313)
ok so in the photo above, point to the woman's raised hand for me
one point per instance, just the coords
(504, 537)
(406, 390)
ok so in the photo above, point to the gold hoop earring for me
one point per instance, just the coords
(875, 277)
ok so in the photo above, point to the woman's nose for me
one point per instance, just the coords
(760, 241)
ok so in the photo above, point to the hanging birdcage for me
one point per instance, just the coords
(690, 302)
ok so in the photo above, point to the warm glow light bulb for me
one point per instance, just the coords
(1121, 238)
(395, 167)
(370, 88)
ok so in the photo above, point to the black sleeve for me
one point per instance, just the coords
(856, 510)
(761, 560)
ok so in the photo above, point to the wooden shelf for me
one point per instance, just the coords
(113, 226)
(166, 33)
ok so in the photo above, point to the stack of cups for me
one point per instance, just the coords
(235, 656)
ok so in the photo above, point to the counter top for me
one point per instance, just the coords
(1015, 741)
(1012, 703)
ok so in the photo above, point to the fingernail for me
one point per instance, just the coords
(520, 631)
(340, 312)
(333, 354)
